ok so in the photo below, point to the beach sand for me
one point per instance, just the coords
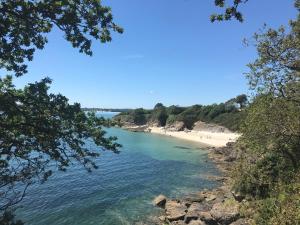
(215, 139)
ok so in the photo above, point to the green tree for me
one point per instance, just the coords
(269, 167)
(25, 23)
(159, 114)
(38, 128)
(139, 117)
(241, 100)
(231, 11)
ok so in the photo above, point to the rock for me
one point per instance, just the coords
(202, 126)
(176, 126)
(241, 222)
(195, 198)
(162, 218)
(179, 222)
(193, 212)
(210, 197)
(140, 128)
(175, 210)
(225, 212)
(199, 211)
(160, 201)
(207, 218)
(197, 222)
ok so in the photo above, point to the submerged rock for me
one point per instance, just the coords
(160, 201)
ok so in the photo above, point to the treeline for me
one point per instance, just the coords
(228, 114)
(268, 171)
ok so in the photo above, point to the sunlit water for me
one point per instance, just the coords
(121, 190)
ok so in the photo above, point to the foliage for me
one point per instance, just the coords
(269, 167)
(230, 11)
(159, 115)
(278, 64)
(225, 114)
(241, 100)
(231, 120)
(175, 110)
(24, 25)
(37, 129)
(9, 219)
(139, 116)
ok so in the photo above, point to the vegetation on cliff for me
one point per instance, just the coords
(269, 169)
(228, 114)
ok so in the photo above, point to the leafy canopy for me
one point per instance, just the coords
(269, 167)
(37, 129)
(41, 132)
(231, 11)
(25, 23)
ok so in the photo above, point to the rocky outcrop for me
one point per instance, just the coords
(213, 209)
(219, 206)
(175, 210)
(143, 128)
(176, 126)
(202, 126)
(224, 213)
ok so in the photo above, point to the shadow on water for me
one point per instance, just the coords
(181, 147)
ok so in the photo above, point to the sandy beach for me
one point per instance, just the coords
(215, 139)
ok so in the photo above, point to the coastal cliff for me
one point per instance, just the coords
(212, 125)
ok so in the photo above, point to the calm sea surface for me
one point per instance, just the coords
(121, 190)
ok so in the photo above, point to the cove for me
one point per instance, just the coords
(121, 190)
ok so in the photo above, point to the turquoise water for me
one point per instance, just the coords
(121, 190)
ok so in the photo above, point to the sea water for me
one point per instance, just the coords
(121, 190)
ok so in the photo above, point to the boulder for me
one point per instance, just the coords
(179, 222)
(160, 201)
(241, 222)
(195, 198)
(176, 126)
(162, 218)
(207, 218)
(197, 222)
(225, 212)
(196, 210)
(202, 126)
(193, 212)
(210, 197)
(175, 210)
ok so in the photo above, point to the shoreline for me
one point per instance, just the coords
(204, 137)
(212, 139)
(219, 205)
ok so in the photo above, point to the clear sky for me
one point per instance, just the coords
(169, 53)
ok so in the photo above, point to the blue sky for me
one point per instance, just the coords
(169, 53)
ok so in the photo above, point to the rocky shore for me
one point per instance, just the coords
(219, 206)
